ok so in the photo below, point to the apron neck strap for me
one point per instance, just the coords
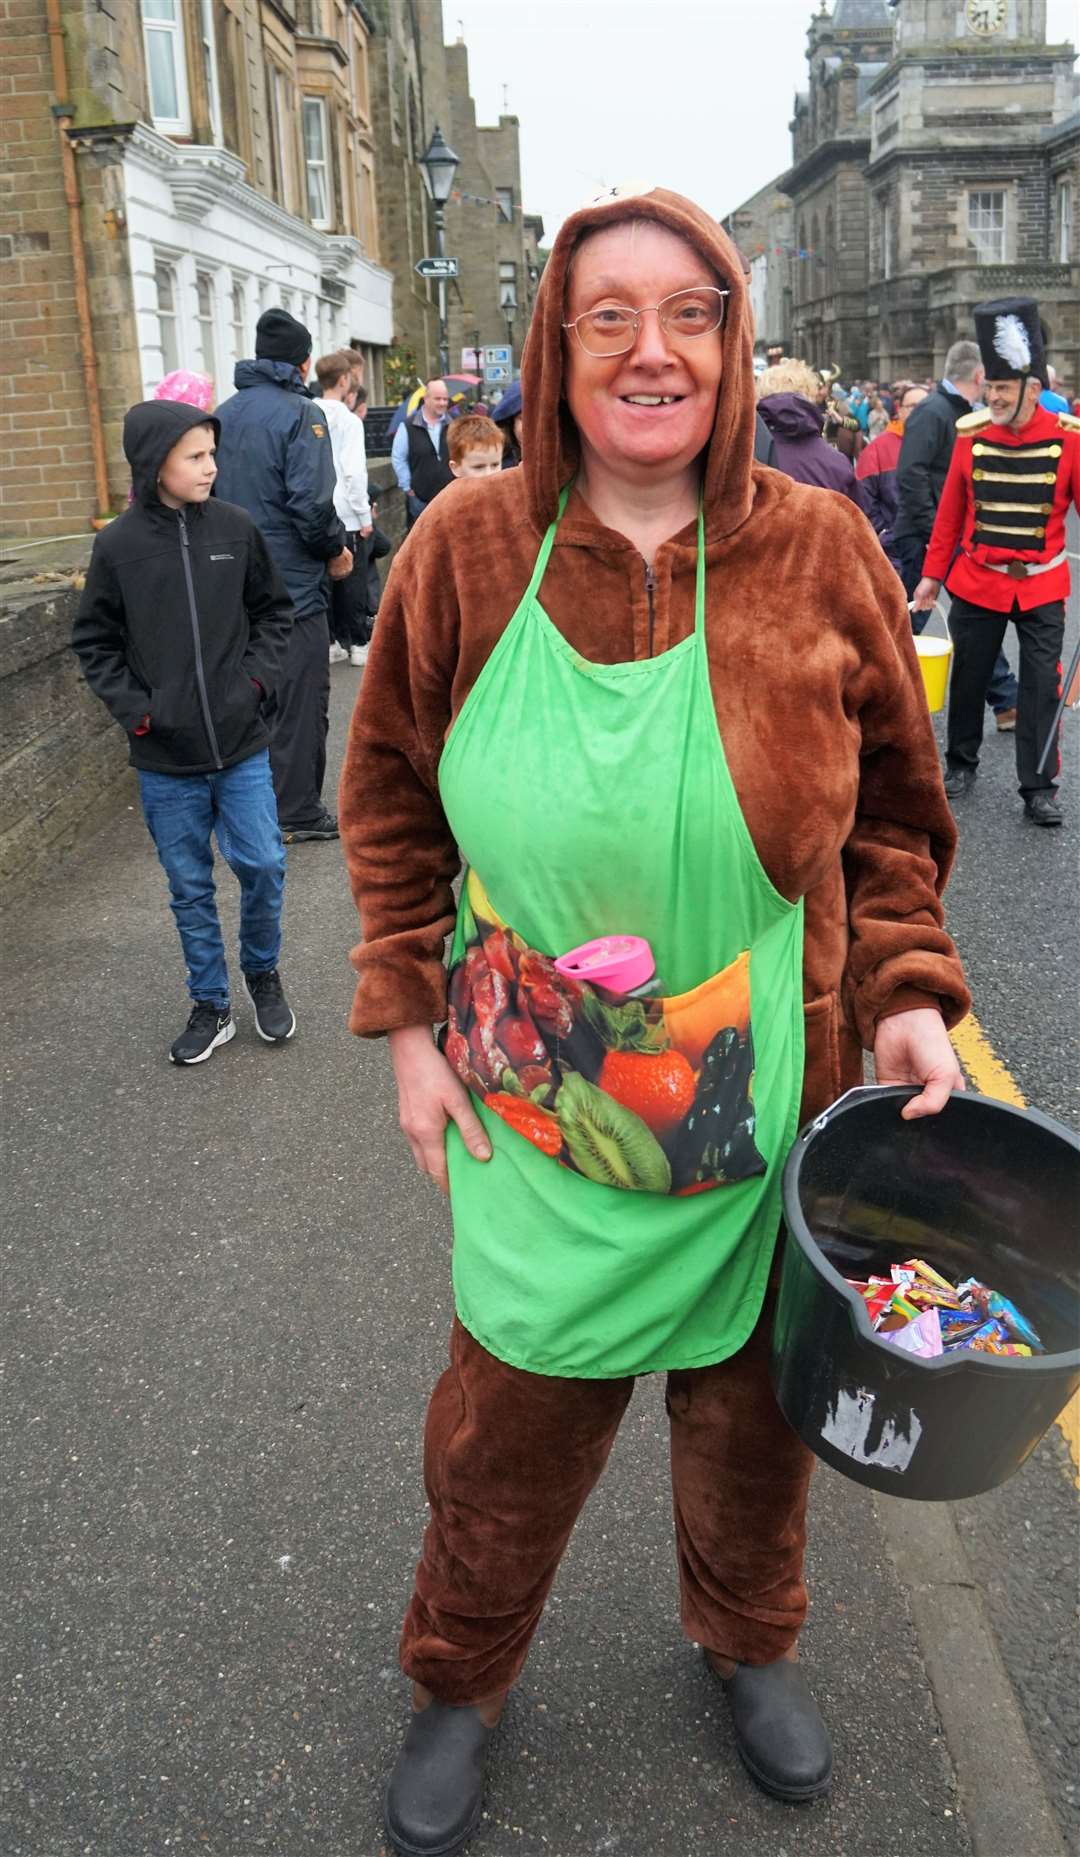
(547, 545)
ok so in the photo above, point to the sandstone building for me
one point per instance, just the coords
(419, 83)
(221, 160)
(935, 162)
(174, 167)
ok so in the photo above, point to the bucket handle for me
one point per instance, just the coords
(857, 1089)
(937, 608)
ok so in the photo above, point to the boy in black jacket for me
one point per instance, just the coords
(181, 631)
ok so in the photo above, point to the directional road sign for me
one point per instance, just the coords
(437, 267)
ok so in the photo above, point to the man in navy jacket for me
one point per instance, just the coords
(274, 460)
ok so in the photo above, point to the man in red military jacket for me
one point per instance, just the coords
(999, 545)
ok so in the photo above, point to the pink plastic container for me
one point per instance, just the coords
(620, 963)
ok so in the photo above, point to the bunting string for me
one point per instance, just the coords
(459, 195)
(805, 253)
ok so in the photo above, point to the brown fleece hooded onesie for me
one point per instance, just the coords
(829, 744)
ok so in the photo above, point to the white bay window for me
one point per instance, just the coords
(317, 162)
(163, 36)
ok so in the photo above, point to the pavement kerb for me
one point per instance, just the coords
(1002, 1795)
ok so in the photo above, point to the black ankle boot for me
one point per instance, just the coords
(436, 1789)
(781, 1737)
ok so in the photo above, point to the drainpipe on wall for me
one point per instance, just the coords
(64, 115)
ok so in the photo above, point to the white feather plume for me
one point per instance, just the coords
(1011, 342)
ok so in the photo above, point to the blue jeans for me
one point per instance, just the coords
(181, 811)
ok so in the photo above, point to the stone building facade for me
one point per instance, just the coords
(830, 147)
(763, 228)
(223, 162)
(936, 162)
(421, 83)
(973, 181)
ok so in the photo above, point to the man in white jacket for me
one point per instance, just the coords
(337, 377)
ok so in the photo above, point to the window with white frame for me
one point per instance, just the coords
(316, 162)
(163, 37)
(508, 285)
(165, 285)
(505, 197)
(1063, 240)
(238, 317)
(986, 226)
(204, 322)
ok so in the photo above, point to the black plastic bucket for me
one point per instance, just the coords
(981, 1190)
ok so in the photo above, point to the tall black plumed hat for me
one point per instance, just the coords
(1010, 339)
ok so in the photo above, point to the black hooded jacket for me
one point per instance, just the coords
(184, 617)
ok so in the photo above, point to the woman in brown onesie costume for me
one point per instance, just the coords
(640, 686)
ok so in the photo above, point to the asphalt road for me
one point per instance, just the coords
(227, 1300)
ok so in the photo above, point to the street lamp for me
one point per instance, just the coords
(508, 300)
(438, 167)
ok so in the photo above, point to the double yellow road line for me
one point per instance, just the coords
(989, 1076)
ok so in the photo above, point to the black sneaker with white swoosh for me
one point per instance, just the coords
(208, 1027)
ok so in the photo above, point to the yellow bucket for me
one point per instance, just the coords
(935, 659)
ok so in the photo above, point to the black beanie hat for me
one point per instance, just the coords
(279, 337)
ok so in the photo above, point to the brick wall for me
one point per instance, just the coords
(47, 479)
(62, 761)
(44, 416)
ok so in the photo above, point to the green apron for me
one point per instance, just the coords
(595, 799)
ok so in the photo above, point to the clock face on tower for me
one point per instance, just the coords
(985, 17)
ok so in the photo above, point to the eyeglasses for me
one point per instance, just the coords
(613, 329)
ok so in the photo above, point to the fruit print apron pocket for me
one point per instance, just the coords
(650, 1095)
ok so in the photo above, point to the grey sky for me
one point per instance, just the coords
(690, 94)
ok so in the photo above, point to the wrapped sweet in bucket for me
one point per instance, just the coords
(917, 1309)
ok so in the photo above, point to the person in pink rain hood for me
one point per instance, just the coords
(192, 389)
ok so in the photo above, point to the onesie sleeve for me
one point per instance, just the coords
(399, 850)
